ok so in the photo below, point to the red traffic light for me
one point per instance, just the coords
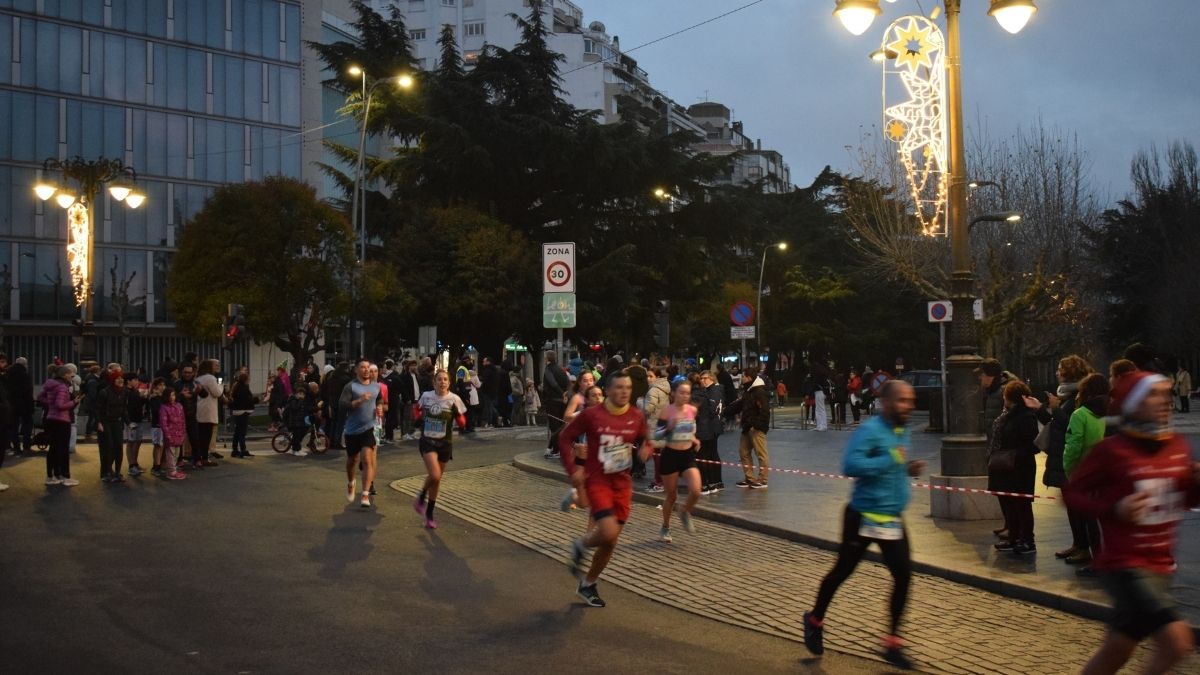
(232, 332)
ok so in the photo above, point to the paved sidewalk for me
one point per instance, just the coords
(809, 510)
(765, 583)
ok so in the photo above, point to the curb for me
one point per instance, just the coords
(1081, 608)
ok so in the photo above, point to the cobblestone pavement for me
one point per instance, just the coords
(765, 584)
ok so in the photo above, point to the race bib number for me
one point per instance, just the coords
(435, 428)
(889, 531)
(1165, 504)
(684, 431)
(616, 456)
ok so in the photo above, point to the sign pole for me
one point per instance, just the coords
(945, 408)
(743, 361)
(558, 348)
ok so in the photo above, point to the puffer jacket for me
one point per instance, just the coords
(112, 404)
(1055, 475)
(56, 399)
(658, 396)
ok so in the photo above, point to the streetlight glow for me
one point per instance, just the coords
(119, 192)
(355, 71)
(883, 54)
(134, 199)
(782, 245)
(44, 190)
(1012, 15)
(405, 81)
(857, 15)
(65, 199)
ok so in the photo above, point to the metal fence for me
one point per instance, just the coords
(144, 351)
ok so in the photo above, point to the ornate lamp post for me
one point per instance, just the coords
(964, 452)
(359, 220)
(81, 183)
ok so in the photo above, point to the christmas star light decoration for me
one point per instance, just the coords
(78, 230)
(914, 114)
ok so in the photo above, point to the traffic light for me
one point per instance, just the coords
(662, 323)
(235, 325)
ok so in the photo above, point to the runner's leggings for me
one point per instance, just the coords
(896, 556)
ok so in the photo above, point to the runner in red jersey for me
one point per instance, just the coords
(614, 432)
(1138, 483)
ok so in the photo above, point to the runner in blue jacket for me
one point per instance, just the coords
(877, 459)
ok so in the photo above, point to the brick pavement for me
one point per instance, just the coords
(764, 583)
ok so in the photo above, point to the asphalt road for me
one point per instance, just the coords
(260, 566)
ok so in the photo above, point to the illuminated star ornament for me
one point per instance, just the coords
(914, 111)
(78, 227)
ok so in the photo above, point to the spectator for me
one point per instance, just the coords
(754, 407)
(657, 397)
(1084, 430)
(241, 407)
(575, 365)
(708, 399)
(533, 403)
(1011, 466)
(208, 397)
(331, 394)
(59, 404)
(137, 426)
(554, 397)
(391, 382)
(19, 384)
(111, 409)
(516, 388)
(1183, 388)
(410, 391)
(854, 386)
(781, 393)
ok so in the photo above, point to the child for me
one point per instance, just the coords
(295, 418)
(533, 403)
(135, 424)
(174, 432)
(156, 436)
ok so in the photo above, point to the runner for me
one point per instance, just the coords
(436, 409)
(1138, 484)
(877, 458)
(360, 399)
(573, 498)
(576, 405)
(613, 431)
(676, 432)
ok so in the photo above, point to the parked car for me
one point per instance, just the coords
(927, 384)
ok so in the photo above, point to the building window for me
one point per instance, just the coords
(416, 5)
(447, 3)
(755, 171)
(417, 34)
(589, 47)
(468, 3)
(473, 29)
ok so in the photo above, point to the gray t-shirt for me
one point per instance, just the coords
(362, 418)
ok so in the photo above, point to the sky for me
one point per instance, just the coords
(1112, 72)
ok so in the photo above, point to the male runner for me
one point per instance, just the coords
(877, 459)
(614, 432)
(359, 400)
(1138, 483)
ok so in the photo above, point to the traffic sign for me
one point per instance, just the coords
(558, 267)
(558, 310)
(940, 311)
(742, 313)
(741, 332)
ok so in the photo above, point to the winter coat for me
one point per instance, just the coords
(755, 407)
(173, 422)
(1183, 383)
(189, 404)
(56, 399)
(993, 403)
(877, 459)
(295, 412)
(1084, 430)
(20, 389)
(135, 409)
(1058, 420)
(728, 391)
(554, 384)
(208, 397)
(708, 403)
(1016, 431)
(111, 405)
(241, 398)
(658, 396)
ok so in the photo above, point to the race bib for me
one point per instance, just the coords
(435, 427)
(1165, 504)
(684, 431)
(616, 458)
(891, 530)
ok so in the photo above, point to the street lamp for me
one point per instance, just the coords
(964, 448)
(999, 217)
(359, 221)
(80, 204)
(782, 246)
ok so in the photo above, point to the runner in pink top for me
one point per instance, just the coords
(676, 435)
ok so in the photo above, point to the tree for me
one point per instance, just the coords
(272, 247)
(1145, 251)
(122, 302)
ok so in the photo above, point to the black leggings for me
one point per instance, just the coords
(58, 463)
(1018, 512)
(710, 474)
(239, 433)
(896, 556)
(204, 437)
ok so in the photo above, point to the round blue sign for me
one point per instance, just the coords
(938, 311)
(742, 313)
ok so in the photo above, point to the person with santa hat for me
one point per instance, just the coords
(1139, 483)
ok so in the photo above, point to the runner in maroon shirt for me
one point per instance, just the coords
(1138, 483)
(614, 432)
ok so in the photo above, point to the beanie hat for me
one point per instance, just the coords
(1132, 389)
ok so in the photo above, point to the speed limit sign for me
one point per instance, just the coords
(558, 267)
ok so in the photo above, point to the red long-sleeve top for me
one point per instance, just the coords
(606, 428)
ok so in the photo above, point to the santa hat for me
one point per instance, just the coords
(1132, 389)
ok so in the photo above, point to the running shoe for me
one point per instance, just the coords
(156, 471)
(550, 454)
(657, 487)
(744, 483)
(1005, 545)
(3, 487)
(69, 482)
(685, 519)
(758, 485)
(814, 634)
(589, 595)
(719, 487)
(372, 490)
(664, 535)
(430, 524)
(51, 480)
(365, 502)
(135, 471)
(577, 552)
(1025, 548)
(178, 475)
(419, 506)
(568, 500)
(706, 489)
(893, 654)
(350, 491)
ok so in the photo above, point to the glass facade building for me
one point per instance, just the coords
(190, 93)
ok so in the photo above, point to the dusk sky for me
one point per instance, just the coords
(1113, 71)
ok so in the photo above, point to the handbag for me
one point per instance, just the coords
(1042, 442)
(1002, 461)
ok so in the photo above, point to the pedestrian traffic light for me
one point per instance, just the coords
(235, 325)
(662, 323)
